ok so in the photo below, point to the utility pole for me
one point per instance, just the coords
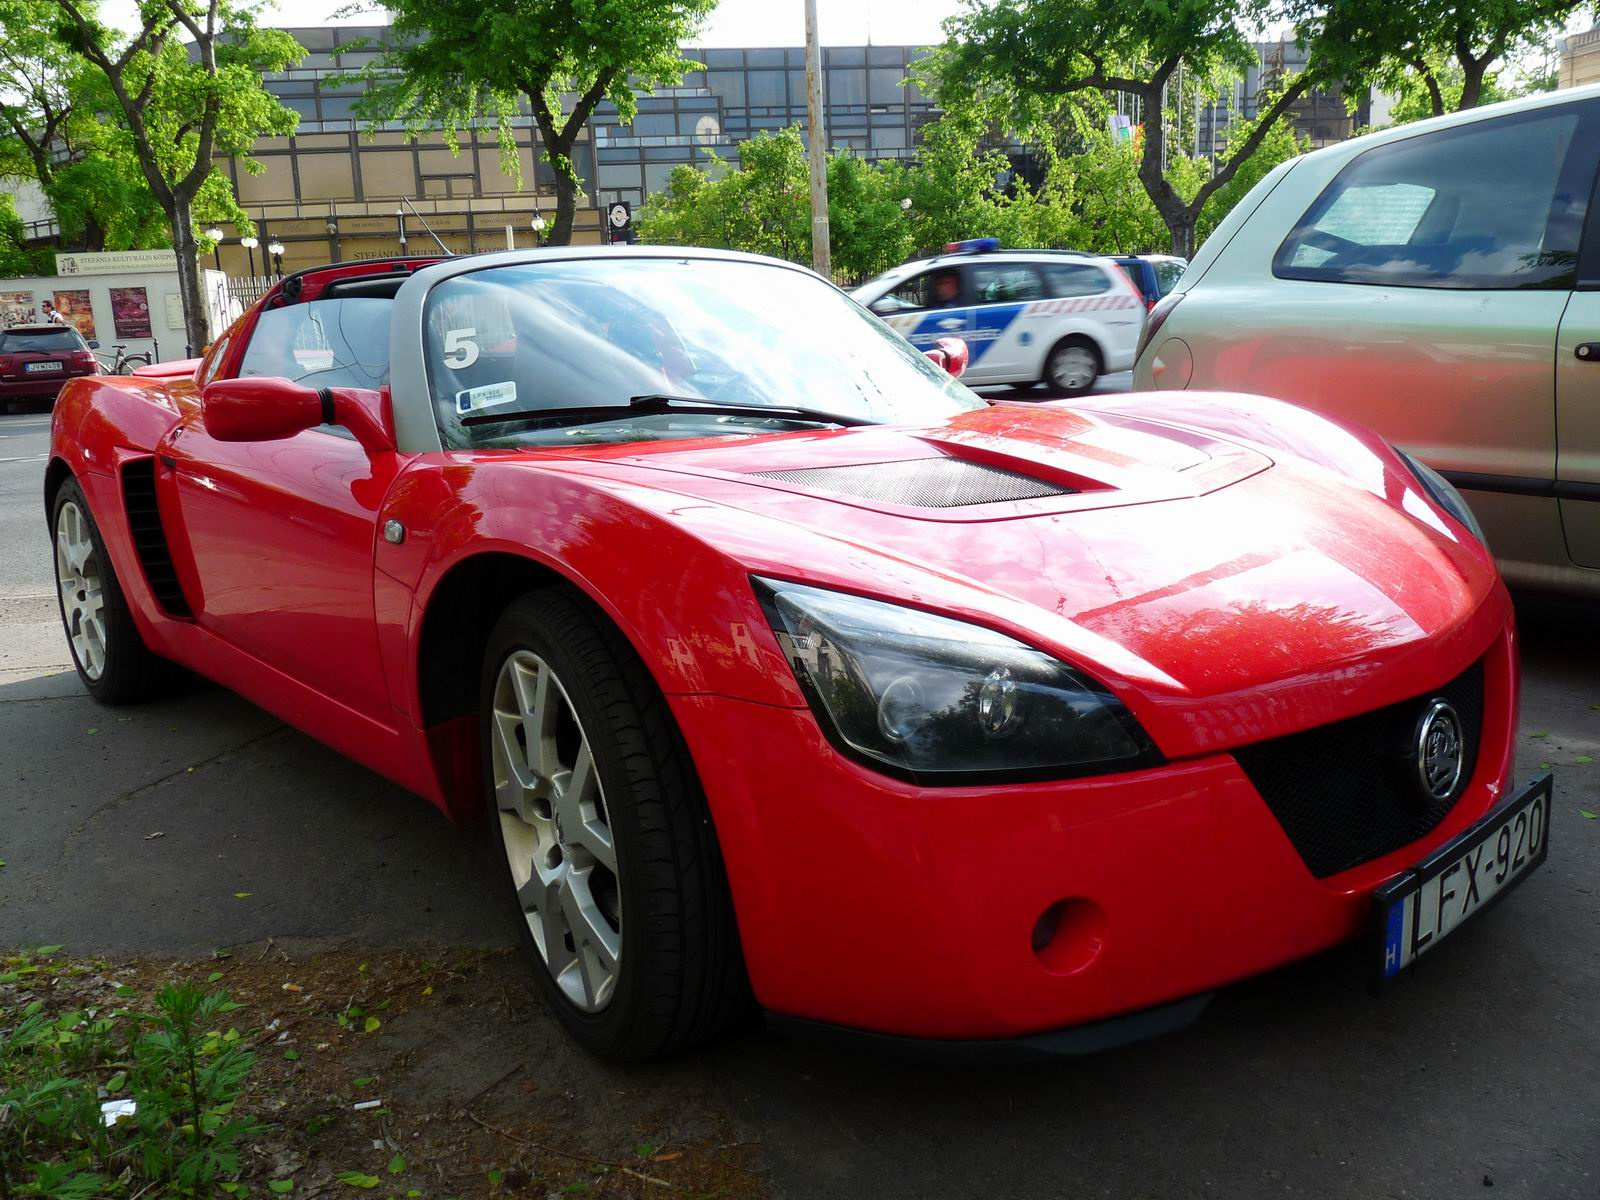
(821, 258)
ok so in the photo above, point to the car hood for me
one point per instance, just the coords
(1191, 564)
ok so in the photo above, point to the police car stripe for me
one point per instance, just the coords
(1081, 304)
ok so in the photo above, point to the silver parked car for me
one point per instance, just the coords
(1436, 283)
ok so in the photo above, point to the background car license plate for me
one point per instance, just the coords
(1419, 909)
(42, 366)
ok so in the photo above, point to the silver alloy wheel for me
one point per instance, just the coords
(1073, 367)
(557, 834)
(82, 599)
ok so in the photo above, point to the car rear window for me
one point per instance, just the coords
(42, 341)
(1494, 204)
(1075, 279)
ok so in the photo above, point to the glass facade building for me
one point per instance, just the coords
(336, 191)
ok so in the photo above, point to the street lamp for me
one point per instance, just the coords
(539, 227)
(250, 244)
(215, 235)
(275, 248)
(400, 217)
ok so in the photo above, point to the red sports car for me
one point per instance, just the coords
(781, 663)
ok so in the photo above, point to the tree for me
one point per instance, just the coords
(182, 106)
(1022, 59)
(451, 63)
(1379, 42)
(16, 257)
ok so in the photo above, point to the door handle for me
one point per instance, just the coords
(1587, 351)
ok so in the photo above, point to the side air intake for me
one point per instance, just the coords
(922, 483)
(149, 538)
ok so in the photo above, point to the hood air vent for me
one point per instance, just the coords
(922, 483)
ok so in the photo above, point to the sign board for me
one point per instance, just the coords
(619, 218)
(116, 262)
(174, 310)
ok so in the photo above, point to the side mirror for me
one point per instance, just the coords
(951, 354)
(266, 409)
(93, 345)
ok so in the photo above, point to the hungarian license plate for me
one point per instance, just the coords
(1421, 907)
(40, 367)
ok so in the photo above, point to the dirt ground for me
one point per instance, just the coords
(393, 1066)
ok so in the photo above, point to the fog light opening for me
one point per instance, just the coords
(1069, 935)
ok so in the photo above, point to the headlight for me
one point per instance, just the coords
(1444, 493)
(943, 701)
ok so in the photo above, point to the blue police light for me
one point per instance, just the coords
(973, 246)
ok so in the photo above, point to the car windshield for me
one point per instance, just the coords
(541, 353)
(42, 341)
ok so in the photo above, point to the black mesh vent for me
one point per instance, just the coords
(922, 483)
(149, 539)
(1348, 793)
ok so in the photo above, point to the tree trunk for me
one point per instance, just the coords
(566, 201)
(1472, 72)
(1181, 226)
(196, 317)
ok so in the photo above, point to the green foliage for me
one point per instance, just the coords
(110, 180)
(1380, 42)
(1047, 70)
(183, 1072)
(1090, 199)
(1278, 146)
(15, 258)
(1414, 98)
(450, 63)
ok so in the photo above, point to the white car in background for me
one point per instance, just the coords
(1060, 318)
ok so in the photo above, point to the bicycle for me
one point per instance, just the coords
(123, 363)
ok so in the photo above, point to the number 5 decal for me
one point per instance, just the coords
(459, 348)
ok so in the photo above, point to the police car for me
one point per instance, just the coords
(1061, 318)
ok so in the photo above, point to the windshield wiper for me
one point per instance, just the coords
(653, 403)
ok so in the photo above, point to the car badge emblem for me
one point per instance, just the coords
(1440, 755)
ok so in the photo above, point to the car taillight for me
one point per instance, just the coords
(83, 358)
(7, 361)
(1153, 322)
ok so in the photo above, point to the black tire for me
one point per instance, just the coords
(680, 979)
(1076, 342)
(130, 671)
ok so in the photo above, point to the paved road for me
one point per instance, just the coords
(1484, 1068)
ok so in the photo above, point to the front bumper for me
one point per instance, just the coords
(876, 905)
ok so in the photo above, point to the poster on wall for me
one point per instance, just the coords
(75, 308)
(16, 308)
(130, 312)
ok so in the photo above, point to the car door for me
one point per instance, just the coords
(926, 307)
(1416, 288)
(1578, 409)
(277, 538)
(1002, 349)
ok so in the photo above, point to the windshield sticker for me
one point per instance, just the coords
(491, 395)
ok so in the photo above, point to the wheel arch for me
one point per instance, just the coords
(55, 474)
(453, 632)
(1079, 334)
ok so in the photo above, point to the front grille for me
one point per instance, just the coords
(922, 482)
(149, 538)
(1348, 793)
